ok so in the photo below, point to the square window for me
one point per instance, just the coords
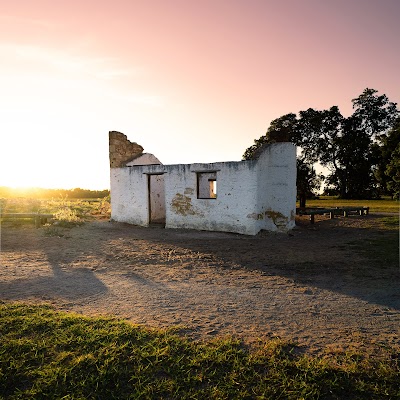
(206, 185)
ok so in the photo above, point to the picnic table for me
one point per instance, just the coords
(345, 211)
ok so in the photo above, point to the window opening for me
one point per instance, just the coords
(213, 188)
(206, 185)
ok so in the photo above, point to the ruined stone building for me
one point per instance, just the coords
(243, 196)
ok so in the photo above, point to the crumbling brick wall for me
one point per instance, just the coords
(122, 150)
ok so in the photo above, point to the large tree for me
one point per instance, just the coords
(280, 130)
(308, 182)
(388, 170)
(355, 161)
(284, 129)
(347, 147)
(351, 167)
(317, 133)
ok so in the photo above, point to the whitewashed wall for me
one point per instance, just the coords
(251, 195)
(129, 196)
(236, 195)
(276, 201)
(129, 192)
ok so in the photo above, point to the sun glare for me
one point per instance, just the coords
(190, 84)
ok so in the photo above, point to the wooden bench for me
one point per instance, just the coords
(40, 219)
(345, 211)
(355, 210)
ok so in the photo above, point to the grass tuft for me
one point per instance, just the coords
(49, 354)
(67, 217)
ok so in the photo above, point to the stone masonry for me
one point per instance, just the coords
(122, 150)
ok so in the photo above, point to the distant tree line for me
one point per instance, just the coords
(361, 152)
(40, 193)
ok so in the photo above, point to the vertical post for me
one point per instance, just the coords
(37, 220)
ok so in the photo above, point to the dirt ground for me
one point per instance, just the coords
(308, 286)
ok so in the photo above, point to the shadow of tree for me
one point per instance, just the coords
(326, 255)
(71, 285)
(60, 277)
(316, 256)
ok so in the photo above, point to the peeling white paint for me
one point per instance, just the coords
(251, 195)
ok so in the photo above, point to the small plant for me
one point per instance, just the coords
(67, 218)
(103, 207)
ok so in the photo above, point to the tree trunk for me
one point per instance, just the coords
(302, 198)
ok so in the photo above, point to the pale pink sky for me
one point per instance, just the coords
(191, 81)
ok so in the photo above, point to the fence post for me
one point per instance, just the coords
(37, 221)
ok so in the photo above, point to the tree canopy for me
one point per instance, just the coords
(352, 148)
(388, 170)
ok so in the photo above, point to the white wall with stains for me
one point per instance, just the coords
(250, 195)
(235, 198)
(129, 196)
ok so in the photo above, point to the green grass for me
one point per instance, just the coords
(46, 354)
(66, 212)
(383, 250)
(384, 205)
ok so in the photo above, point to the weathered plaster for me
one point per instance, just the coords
(182, 205)
(251, 195)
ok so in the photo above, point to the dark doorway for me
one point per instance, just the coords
(156, 199)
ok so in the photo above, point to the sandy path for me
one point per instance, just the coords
(308, 286)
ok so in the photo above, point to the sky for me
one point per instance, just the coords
(190, 81)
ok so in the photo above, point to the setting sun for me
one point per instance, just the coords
(190, 82)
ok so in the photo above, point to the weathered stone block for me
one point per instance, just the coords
(121, 150)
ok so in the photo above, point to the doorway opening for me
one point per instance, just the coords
(156, 189)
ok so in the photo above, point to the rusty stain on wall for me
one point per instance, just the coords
(255, 216)
(277, 218)
(183, 205)
(188, 190)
